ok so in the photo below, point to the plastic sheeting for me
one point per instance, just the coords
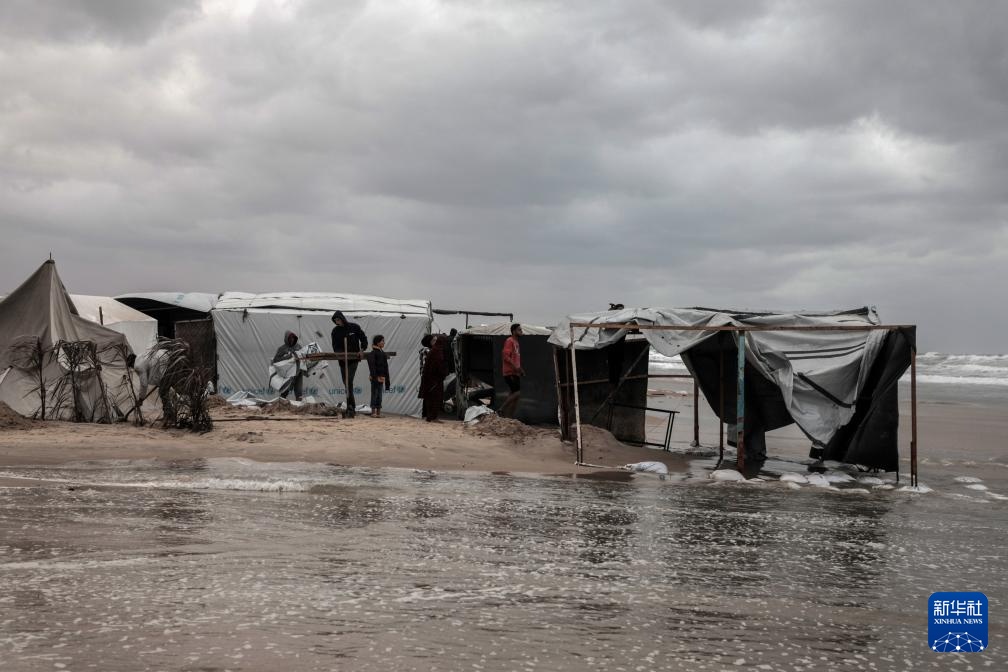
(247, 339)
(820, 374)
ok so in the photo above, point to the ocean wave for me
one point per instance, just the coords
(955, 380)
(932, 367)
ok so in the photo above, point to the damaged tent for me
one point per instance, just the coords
(56, 364)
(833, 374)
(250, 327)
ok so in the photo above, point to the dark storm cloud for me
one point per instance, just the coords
(542, 157)
(113, 20)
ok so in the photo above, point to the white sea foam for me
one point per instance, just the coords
(967, 479)
(950, 369)
(727, 475)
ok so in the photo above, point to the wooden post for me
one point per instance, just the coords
(101, 316)
(740, 405)
(577, 400)
(913, 417)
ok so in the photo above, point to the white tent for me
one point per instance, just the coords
(250, 327)
(139, 329)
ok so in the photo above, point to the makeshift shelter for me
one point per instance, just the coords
(612, 390)
(833, 374)
(182, 315)
(250, 327)
(478, 354)
(54, 363)
(141, 331)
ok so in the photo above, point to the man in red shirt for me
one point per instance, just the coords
(512, 370)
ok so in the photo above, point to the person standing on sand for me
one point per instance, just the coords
(348, 339)
(513, 371)
(289, 351)
(378, 366)
(432, 376)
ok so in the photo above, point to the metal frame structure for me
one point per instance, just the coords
(668, 427)
(740, 389)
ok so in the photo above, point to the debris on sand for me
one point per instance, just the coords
(216, 401)
(284, 406)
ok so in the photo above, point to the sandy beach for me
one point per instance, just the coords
(283, 436)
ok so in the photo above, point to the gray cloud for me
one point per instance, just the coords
(542, 157)
(106, 20)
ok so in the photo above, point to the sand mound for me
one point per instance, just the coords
(216, 401)
(11, 419)
(596, 438)
(506, 428)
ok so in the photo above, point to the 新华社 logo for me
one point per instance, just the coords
(957, 622)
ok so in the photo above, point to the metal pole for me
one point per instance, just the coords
(577, 400)
(740, 405)
(913, 417)
(696, 413)
(721, 402)
(559, 391)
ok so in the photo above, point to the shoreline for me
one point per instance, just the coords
(966, 435)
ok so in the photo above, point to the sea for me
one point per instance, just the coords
(228, 564)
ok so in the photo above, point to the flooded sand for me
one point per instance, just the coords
(233, 565)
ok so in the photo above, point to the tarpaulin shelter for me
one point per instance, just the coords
(170, 308)
(834, 374)
(56, 364)
(182, 315)
(250, 327)
(479, 355)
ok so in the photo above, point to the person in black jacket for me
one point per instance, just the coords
(348, 338)
(378, 366)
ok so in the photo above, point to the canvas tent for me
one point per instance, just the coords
(55, 364)
(140, 330)
(833, 374)
(250, 327)
(479, 351)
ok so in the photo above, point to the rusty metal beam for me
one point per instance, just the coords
(818, 327)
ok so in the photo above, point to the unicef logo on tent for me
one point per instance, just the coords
(957, 622)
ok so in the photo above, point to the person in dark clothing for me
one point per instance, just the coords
(378, 367)
(289, 351)
(348, 338)
(435, 368)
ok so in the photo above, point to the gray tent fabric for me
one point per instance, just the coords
(819, 375)
(40, 317)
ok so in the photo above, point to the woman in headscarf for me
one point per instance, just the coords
(435, 368)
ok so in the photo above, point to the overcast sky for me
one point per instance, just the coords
(537, 157)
